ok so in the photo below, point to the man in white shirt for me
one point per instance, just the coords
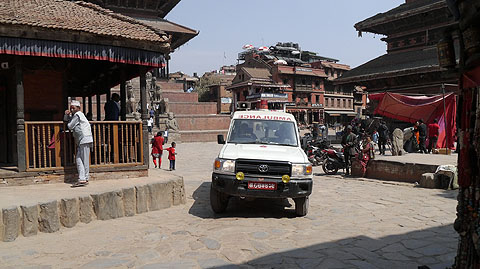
(79, 125)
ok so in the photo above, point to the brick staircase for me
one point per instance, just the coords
(198, 121)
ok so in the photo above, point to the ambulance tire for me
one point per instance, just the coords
(301, 206)
(218, 200)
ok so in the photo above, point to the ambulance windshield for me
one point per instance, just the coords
(270, 132)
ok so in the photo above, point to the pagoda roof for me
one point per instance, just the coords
(180, 34)
(393, 65)
(77, 22)
(400, 12)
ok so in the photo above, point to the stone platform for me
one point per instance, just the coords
(48, 208)
(407, 168)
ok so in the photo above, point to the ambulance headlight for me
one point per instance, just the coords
(301, 170)
(224, 166)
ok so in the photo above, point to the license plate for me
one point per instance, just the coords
(269, 186)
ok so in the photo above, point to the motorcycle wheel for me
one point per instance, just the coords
(329, 167)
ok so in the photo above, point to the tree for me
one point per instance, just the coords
(203, 87)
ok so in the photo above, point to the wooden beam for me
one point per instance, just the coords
(143, 100)
(99, 111)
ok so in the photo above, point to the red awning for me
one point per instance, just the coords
(413, 108)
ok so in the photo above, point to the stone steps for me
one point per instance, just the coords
(201, 136)
(48, 208)
(170, 86)
(174, 97)
(189, 108)
(203, 122)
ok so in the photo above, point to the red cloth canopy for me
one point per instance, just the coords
(413, 108)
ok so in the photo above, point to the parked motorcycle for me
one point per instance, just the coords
(334, 161)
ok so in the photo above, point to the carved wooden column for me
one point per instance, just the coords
(123, 96)
(84, 103)
(144, 112)
(99, 111)
(90, 105)
(20, 152)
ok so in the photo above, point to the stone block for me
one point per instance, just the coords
(427, 180)
(179, 192)
(11, 223)
(49, 221)
(29, 220)
(141, 195)
(357, 169)
(129, 201)
(2, 227)
(108, 205)
(160, 195)
(86, 212)
(69, 213)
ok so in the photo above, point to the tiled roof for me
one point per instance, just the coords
(261, 73)
(389, 65)
(180, 34)
(404, 10)
(75, 16)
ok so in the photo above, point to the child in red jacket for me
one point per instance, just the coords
(171, 155)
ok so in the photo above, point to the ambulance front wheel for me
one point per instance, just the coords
(218, 200)
(301, 206)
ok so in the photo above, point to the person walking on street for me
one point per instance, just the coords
(349, 141)
(82, 133)
(382, 137)
(433, 132)
(368, 153)
(171, 155)
(150, 125)
(422, 136)
(157, 149)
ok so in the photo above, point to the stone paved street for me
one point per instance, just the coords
(351, 224)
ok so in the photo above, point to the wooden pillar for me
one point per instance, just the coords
(144, 112)
(90, 105)
(84, 103)
(167, 75)
(123, 96)
(99, 109)
(20, 152)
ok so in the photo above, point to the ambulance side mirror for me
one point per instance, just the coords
(220, 139)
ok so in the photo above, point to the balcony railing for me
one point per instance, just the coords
(50, 145)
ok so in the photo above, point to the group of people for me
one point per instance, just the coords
(356, 133)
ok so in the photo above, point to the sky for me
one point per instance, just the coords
(321, 26)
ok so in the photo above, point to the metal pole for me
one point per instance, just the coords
(445, 118)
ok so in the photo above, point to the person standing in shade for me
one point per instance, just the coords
(382, 137)
(349, 141)
(171, 155)
(422, 136)
(79, 125)
(112, 108)
(433, 132)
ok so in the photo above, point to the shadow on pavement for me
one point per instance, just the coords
(451, 194)
(435, 248)
(258, 208)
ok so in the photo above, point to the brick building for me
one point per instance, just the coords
(302, 75)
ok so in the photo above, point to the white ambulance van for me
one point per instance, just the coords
(261, 158)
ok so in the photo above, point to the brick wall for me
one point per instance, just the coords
(193, 108)
(203, 122)
(181, 97)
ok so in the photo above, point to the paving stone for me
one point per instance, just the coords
(129, 202)
(309, 263)
(260, 235)
(147, 256)
(105, 263)
(414, 243)
(103, 253)
(395, 257)
(159, 196)
(331, 263)
(49, 220)
(215, 263)
(362, 264)
(170, 265)
(194, 245)
(11, 223)
(141, 197)
(108, 205)
(210, 243)
(69, 213)
(260, 247)
(29, 220)
(394, 248)
(433, 250)
(86, 212)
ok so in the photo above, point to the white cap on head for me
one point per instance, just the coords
(75, 103)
